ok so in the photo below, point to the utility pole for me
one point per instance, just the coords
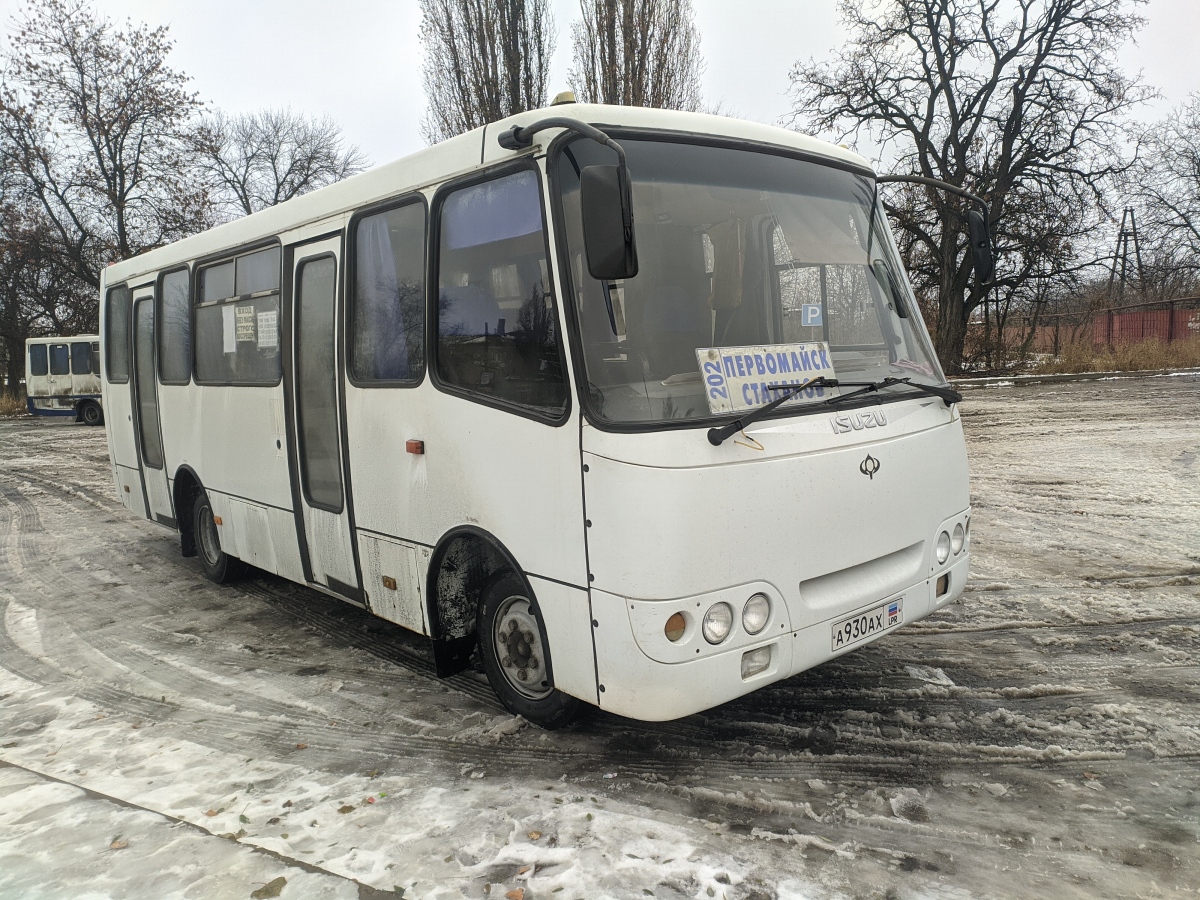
(1127, 235)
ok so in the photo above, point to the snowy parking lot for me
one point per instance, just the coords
(161, 736)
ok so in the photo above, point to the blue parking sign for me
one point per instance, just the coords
(810, 315)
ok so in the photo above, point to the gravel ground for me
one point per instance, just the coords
(161, 736)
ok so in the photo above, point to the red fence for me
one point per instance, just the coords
(1170, 321)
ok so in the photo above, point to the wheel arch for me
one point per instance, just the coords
(464, 562)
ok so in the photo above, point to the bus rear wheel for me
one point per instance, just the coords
(516, 655)
(91, 413)
(218, 565)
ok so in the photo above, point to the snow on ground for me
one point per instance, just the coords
(161, 736)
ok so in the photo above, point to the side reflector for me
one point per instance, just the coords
(755, 661)
(389, 582)
(126, 488)
(415, 447)
(943, 585)
(217, 520)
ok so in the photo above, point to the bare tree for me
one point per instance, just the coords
(256, 160)
(1165, 184)
(1020, 101)
(93, 120)
(484, 60)
(637, 53)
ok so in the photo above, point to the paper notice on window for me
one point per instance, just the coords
(228, 330)
(268, 330)
(738, 378)
(245, 323)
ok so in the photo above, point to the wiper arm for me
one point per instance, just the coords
(718, 436)
(947, 395)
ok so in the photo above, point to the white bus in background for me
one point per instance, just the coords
(479, 393)
(62, 377)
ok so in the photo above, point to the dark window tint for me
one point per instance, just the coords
(316, 384)
(258, 272)
(95, 357)
(38, 362)
(174, 329)
(216, 282)
(497, 334)
(152, 453)
(116, 346)
(237, 340)
(81, 358)
(60, 359)
(388, 315)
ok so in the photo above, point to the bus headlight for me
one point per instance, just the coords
(717, 622)
(755, 613)
(943, 547)
(957, 539)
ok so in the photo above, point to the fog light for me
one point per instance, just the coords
(755, 661)
(755, 613)
(676, 626)
(957, 539)
(943, 547)
(717, 622)
(943, 585)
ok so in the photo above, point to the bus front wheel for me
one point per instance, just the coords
(516, 656)
(218, 565)
(91, 413)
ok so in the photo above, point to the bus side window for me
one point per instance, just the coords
(116, 334)
(38, 361)
(387, 308)
(81, 358)
(497, 330)
(237, 320)
(174, 329)
(60, 357)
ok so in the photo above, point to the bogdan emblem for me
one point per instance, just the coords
(869, 466)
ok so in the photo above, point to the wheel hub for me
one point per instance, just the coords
(519, 648)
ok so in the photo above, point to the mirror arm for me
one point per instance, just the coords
(519, 137)
(941, 185)
(937, 183)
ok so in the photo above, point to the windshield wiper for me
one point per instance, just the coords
(718, 436)
(947, 395)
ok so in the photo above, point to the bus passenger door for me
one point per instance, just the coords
(317, 446)
(144, 386)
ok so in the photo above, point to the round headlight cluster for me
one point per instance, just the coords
(952, 541)
(755, 613)
(717, 622)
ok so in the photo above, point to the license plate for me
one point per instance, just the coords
(864, 626)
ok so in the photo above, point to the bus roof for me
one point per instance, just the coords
(452, 158)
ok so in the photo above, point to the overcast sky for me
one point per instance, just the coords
(360, 60)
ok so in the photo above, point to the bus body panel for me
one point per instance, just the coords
(660, 533)
(513, 477)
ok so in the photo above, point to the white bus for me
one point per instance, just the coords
(478, 393)
(62, 377)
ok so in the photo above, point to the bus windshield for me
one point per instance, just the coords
(755, 270)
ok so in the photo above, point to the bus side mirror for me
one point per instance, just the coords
(981, 246)
(607, 209)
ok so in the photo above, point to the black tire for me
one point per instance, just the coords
(509, 610)
(91, 413)
(218, 565)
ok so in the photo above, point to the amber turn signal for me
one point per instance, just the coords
(415, 447)
(676, 625)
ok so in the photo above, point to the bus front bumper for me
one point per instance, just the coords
(692, 675)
